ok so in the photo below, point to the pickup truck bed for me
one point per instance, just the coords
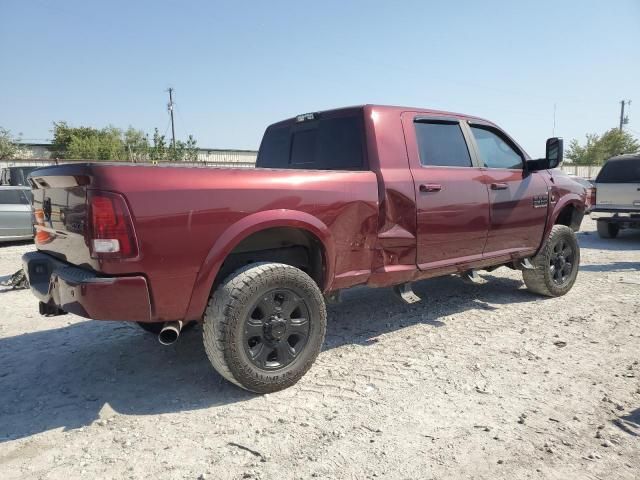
(369, 195)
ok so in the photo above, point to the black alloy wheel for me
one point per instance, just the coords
(276, 329)
(561, 262)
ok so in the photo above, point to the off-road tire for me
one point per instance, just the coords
(607, 229)
(539, 280)
(225, 316)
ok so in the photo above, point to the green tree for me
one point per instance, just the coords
(136, 144)
(63, 135)
(111, 143)
(8, 145)
(599, 148)
(158, 151)
(191, 150)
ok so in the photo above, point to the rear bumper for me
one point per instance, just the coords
(84, 293)
(616, 215)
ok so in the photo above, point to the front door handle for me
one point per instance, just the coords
(499, 186)
(430, 187)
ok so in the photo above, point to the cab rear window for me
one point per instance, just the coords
(330, 142)
(620, 170)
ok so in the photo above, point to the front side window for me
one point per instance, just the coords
(442, 144)
(495, 152)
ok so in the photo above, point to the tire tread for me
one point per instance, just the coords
(217, 325)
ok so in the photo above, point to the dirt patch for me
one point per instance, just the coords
(482, 381)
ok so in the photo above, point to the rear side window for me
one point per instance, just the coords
(495, 151)
(333, 143)
(620, 171)
(13, 197)
(442, 144)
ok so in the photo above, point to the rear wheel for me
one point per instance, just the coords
(607, 229)
(556, 265)
(264, 326)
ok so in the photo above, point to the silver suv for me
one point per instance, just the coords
(617, 195)
(16, 217)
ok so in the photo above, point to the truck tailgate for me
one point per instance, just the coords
(59, 203)
(618, 196)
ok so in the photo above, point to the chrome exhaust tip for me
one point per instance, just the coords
(170, 332)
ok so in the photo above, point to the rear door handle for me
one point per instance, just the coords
(499, 186)
(430, 187)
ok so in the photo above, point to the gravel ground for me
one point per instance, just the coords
(476, 381)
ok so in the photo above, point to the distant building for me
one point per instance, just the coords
(35, 150)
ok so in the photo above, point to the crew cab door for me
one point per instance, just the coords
(518, 199)
(452, 200)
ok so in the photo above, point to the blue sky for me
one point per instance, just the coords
(237, 66)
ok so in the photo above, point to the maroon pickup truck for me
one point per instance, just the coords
(369, 195)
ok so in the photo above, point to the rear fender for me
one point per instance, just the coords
(240, 230)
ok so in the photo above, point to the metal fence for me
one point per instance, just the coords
(584, 171)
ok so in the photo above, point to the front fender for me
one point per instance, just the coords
(572, 199)
(240, 230)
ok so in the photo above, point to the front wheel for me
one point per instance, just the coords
(264, 326)
(556, 264)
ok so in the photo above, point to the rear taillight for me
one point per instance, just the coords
(591, 197)
(110, 228)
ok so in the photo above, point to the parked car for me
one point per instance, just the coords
(371, 195)
(588, 185)
(616, 196)
(16, 176)
(16, 217)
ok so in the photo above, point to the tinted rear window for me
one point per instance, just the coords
(620, 171)
(13, 197)
(442, 144)
(333, 143)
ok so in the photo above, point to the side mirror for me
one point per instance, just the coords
(554, 151)
(552, 159)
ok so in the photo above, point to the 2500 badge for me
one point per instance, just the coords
(540, 201)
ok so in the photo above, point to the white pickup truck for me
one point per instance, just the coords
(615, 199)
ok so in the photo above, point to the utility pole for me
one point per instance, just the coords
(553, 132)
(623, 120)
(173, 127)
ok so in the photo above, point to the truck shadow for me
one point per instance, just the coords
(611, 267)
(70, 376)
(64, 377)
(629, 423)
(365, 313)
(626, 240)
